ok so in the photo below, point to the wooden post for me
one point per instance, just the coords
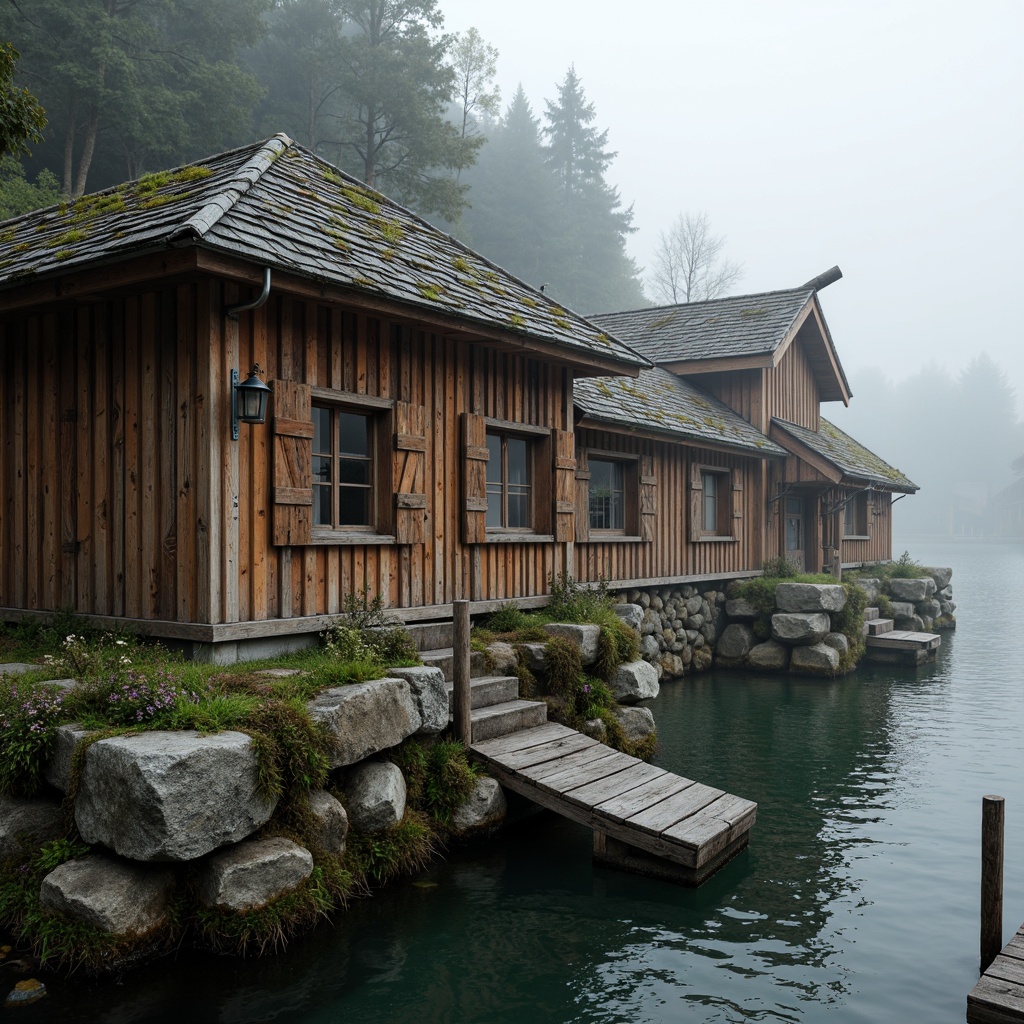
(460, 672)
(991, 879)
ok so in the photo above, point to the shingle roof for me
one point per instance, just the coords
(742, 325)
(850, 457)
(659, 402)
(280, 205)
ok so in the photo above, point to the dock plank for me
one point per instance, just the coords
(690, 829)
(998, 998)
(675, 808)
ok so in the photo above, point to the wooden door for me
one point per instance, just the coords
(794, 532)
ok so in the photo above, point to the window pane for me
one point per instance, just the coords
(321, 469)
(848, 525)
(518, 470)
(321, 431)
(710, 481)
(794, 506)
(322, 506)
(794, 542)
(353, 434)
(353, 471)
(519, 510)
(353, 506)
(606, 495)
(494, 462)
(494, 505)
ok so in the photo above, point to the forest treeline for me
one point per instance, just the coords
(377, 87)
(957, 436)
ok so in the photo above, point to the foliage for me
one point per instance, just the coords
(616, 644)
(439, 777)
(366, 640)
(575, 601)
(22, 119)
(18, 195)
(616, 737)
(132, 83)
(292, 751)
(29, 716)
(780, 568)
(688, 262)
(509, 618)
(139, 699)
(402, 849)
(475, 64)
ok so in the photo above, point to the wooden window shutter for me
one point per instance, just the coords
(410, 473)
(582, 495)
(474, 478)
(292, 515)
(736, 481)
(648, 498)
(565, 485)
(696, 502)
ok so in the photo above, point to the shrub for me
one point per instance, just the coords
(29, 716)
(573, 601)
(400, 850)
(439, 777)
(507, 619)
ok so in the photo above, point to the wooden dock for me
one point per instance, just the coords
(998, 998)
(644, 818)
(897, 646)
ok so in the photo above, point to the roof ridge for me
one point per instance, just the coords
(704, 302)
(244, 178)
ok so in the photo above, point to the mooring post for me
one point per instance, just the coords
(991, 879)
(460, 673)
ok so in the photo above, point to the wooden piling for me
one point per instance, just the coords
(991, 879)
(460, 673)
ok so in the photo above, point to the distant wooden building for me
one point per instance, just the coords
(770, 361)
(434, 432)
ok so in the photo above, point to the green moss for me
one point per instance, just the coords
(163, 200)
(463, 266)
(529, 300)
(662, 321)
(516, 321)
(564, 324)
(361, 198)
(63, 254)
(431, 292)
(391, 230)
(333, 178)
(149, 183)
(191, 173)
(7, 236)
(71, 237)
(751, 313)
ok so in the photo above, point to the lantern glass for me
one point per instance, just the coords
(249, 402)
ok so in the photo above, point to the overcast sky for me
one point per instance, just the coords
(882, 135)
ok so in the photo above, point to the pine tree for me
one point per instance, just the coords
(592, 273)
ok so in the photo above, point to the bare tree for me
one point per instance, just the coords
(688, 262)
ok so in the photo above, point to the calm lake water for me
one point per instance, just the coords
(857, 900)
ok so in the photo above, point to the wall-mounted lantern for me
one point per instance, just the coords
(248, 399)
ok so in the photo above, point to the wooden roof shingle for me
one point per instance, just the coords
(277, 204)
(659, 402)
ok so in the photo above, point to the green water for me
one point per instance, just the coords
(856, 901)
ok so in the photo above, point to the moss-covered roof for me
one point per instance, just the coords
(850, 457)
(279, 205)
(659, 402)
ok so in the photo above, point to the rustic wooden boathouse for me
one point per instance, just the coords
(438, 430)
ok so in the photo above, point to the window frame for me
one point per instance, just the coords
(379, 413)
(630, 467)
(723, 477)
(856, 517)
(540, 480)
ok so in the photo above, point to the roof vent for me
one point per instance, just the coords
(824, 280)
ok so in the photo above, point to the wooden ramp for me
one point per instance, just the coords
(998, 998)
(644, 818)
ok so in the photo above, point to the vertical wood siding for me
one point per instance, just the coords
(792, 391)
(878, 546)
(671, 553)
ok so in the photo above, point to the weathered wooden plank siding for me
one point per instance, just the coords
(98, 405)
(791, 389)
(878, 546)
(743, 391)
(671, 553)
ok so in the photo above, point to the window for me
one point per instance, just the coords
(607, 495)
(715, 502)
(343, 468)
(509, 483)
(855, 516)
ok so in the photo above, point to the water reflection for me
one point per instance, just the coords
(857, 900)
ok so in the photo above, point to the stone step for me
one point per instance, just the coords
(444, 659)
(488, 691)
(876, 627)
(430, 636)
(870, 613)
(503, 719)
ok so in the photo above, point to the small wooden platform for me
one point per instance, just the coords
(644, 818)
(904, 639)
(998, 998)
